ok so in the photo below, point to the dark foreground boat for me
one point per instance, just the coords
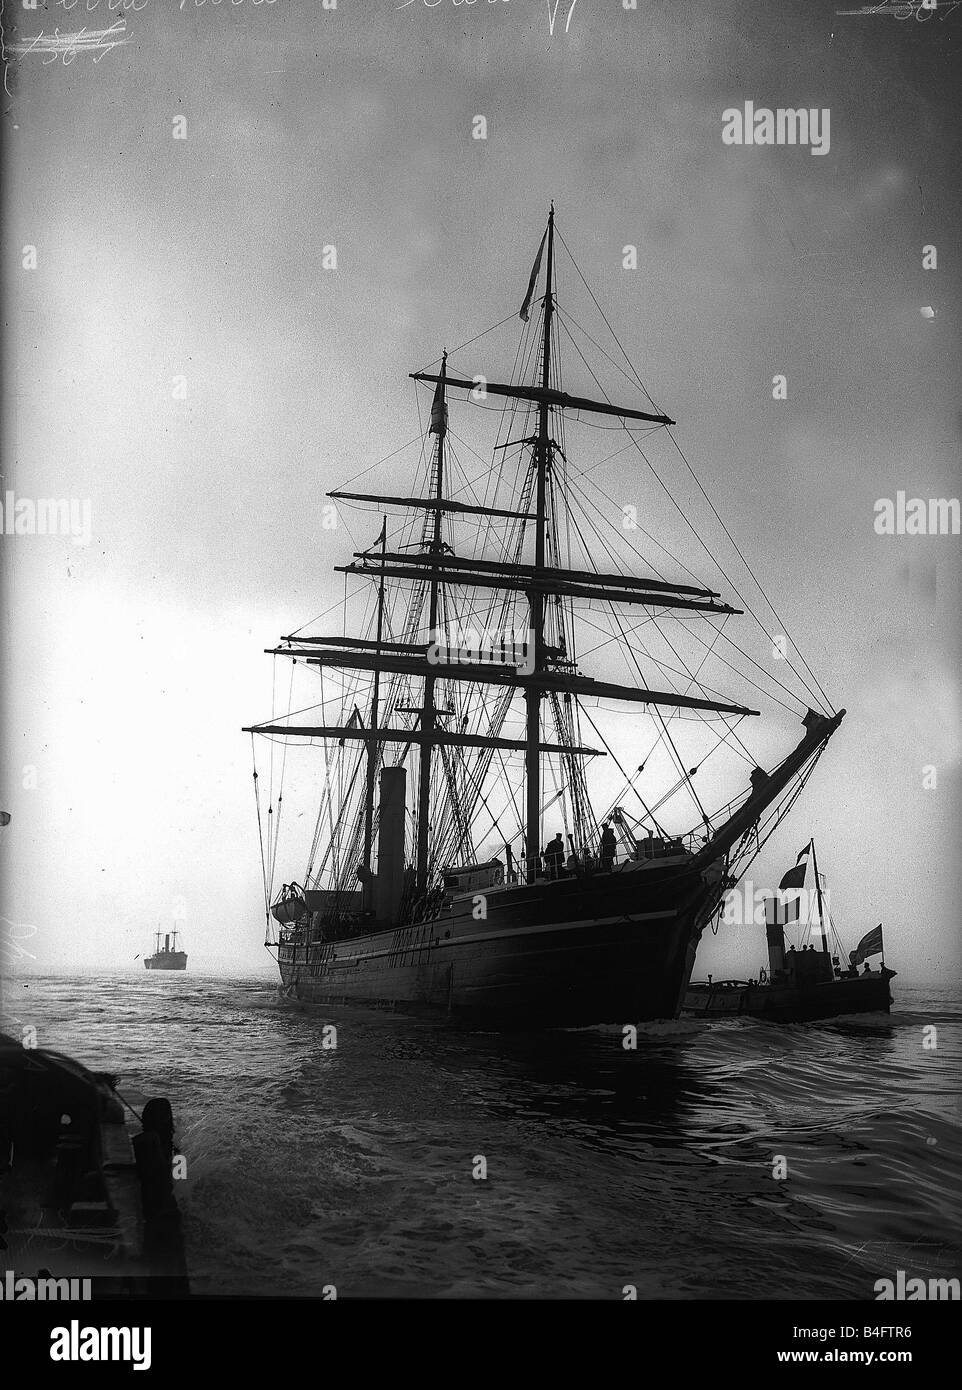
(166, 957)
(479, 608)
(800, 985)
(86, 1204)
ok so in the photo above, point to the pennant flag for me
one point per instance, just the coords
(870, 945)
(795, 878)
(355, 720)
(439, 409)
(534, 279)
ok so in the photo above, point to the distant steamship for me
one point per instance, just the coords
(167, 957)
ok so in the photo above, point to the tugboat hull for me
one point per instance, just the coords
(784, 1004)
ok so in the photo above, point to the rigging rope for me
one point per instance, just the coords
(821, 698)
(260, 833)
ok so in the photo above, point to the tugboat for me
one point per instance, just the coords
(801, 984)
(446, 716)
(168, 957)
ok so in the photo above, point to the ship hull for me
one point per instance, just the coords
(615, 948)
(170, 960)
(778, 1004)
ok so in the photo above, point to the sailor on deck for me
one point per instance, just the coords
(554, 854)
(608, 846)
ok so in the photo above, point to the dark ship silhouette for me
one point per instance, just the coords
(593, 932)
(167, 957)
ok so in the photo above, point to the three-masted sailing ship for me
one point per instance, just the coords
(463, 708)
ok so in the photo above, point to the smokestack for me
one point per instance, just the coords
(389, 879)
(775, 934)
(167, 942)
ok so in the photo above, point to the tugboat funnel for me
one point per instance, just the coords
(776, 938)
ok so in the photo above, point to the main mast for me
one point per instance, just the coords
(536, 597)
(438, 426)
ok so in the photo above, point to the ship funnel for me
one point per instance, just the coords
(775, 934)
(389, 879)
(167, 942)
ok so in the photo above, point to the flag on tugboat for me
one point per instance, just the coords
(534, 279)
(795, 878)
(870, 945)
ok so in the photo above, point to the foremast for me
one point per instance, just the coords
(536, 598)
(428, 712)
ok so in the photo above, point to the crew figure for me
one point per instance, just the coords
(554, 854)
(608, 847)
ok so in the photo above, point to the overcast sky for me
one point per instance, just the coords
(132, 663)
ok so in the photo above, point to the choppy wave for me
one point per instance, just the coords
(656, 1167)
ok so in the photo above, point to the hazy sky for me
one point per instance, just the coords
(132, 663)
